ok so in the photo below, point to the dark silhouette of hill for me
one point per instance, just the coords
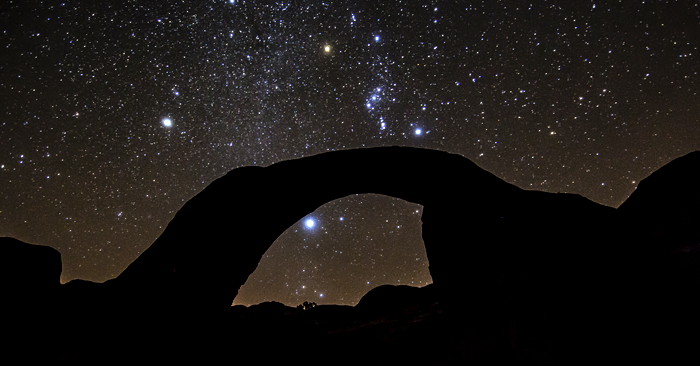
(663, 210)
(661, 219)
(344, 334)
(672, 187)
(387, 297)
(29, 272)
(520, 277)
(31, 279)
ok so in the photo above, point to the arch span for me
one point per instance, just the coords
(481, 233)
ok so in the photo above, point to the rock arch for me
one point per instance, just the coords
(522, 276)
(477, 229)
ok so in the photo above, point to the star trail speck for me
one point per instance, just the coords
(116, 113)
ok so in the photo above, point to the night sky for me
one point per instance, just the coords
(115, 113)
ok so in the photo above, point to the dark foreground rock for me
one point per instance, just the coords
(31, 279)
(409, 332)
(520, 277)
(28, 272)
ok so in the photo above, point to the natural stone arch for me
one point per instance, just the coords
(524, 276)
(470, 221)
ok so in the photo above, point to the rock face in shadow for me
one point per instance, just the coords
(28, 272)
(521, 277)
(387, 297)
(31, 279)
(663, 210)
(661, 221)
(474, 224)
(672, 189)
(412, 332)
(496, 252)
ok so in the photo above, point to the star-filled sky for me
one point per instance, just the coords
(115, 113)
(341, 251)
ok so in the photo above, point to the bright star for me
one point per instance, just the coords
(167, 122)
(418, 131)
(376, 38)
(310, 223)
(327, 48)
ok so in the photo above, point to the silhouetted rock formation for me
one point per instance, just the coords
(673, 189)
(29, 272)
(31, 278)
(519, 276)
(493, 248)
(663, 210)
(473, 221)
(661, 224)
(346, 335)
(389, 297)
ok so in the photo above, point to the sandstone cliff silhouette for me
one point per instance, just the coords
(520, 276)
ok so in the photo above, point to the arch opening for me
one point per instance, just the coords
(341, 251)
